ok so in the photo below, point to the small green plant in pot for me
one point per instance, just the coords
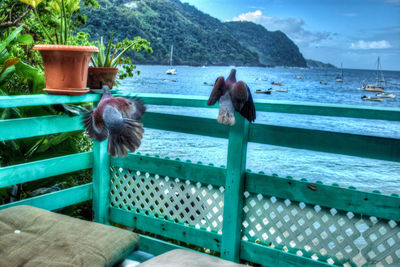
(65, 64)
(105, 63)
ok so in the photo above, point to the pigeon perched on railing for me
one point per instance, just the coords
(116, 118)
(232, 95)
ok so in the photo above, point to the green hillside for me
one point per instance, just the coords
(198, 38)
(273, 48)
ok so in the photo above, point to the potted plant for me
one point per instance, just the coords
(105, 63)
(65, 65)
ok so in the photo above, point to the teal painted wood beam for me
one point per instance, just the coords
(185, 124)
(233, 200)
(36, 170)
(273, 257)
(57, 200)
(325, 141)
(279, 106)
(101, 182)
(156, 246)
(173, 168)
(37, 126)
(372, 204)
(44, 99)
(167, 229)
(294, 107)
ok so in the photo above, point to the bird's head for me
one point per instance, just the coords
(232, 76)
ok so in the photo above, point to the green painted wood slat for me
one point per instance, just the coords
(167, 229)
(185, 124)
(57, 200)
(101, 182)
(44, 99)
(36, 170)
(234, 185)
(156, 246)
(272, 257)
(372, 204)
(307, 108)
(172, 168)
(324, 141)
(37, 126)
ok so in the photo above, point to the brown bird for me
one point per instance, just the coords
(232, 95)
(116, 118)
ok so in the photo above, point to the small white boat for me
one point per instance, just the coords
(383, 95)
(339, 78)
(377, 87)
(368, 98)
(171, 70)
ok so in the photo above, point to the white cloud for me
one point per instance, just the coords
(293, 27)
(383, 44)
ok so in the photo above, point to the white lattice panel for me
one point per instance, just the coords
(169, 198)
(341, 238)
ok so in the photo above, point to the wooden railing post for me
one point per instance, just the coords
(101, 181)
(233, 200)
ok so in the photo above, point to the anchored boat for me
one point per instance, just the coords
(379, 85)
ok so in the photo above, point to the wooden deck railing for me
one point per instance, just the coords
(259, 218)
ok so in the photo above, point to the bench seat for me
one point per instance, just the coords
(31, 236)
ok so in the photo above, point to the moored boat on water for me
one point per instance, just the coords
(171, 70)
(379, 85)
(369, 98)
(383, 95)
(339, 78)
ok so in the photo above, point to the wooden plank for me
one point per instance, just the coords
(171, 99)
(36, 126)
(57, 200)
(167, 229)
(233, 207)
(173, 168)
(309, 108)
(156, 246)
(279, 106)
(372, 204)
(36, 170)
(185, 124)
(331, 110)
(272, 257)
(324, 141)
(44, 99)
(101, 182)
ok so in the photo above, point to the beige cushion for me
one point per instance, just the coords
(187, 258)
(35, 237)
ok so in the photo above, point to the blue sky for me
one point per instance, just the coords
(354, 32)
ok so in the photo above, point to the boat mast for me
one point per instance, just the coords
(377, 73)
(341, 68)
(170, 59)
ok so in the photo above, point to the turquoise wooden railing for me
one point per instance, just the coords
(255, 217)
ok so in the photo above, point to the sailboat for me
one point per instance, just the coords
(380, 81)
(171, 70)
(339, 78)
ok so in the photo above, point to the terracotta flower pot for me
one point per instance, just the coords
(99, 76)
(66, 68)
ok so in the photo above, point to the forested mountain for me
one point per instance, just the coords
(318, 64)
(273, 48)
(198, 38)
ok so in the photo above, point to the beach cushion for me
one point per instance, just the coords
(31, 236)
(187, 258)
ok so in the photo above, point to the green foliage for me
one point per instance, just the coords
(112, 55)
(59, 19)
(198, 38)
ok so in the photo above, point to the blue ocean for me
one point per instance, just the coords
(301, 84)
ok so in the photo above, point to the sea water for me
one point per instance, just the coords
(305, 85)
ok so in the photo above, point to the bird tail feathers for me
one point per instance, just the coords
(128, 137)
